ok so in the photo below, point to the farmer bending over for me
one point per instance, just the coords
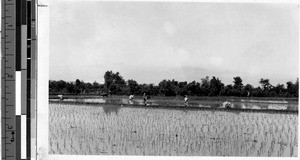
(131, 97)
(186, 100)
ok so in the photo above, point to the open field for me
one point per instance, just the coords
(114, 130)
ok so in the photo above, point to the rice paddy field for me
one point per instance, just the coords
(99, 129)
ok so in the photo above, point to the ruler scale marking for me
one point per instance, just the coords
(18, 78)
(9, 147)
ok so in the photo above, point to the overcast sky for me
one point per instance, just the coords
(151, 41)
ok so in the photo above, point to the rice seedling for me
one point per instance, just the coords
(91, 129)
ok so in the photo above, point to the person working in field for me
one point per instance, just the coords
(186, 100)
(60, 97)
(145, 98)
(130, 99)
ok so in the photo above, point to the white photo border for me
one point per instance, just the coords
(42, 128)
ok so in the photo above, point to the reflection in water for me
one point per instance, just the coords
(279, 107)
(263, 106)
(216, 105)
(247, 105)
(108, 109)
(265, 101)
(238, 105)
(243, 104)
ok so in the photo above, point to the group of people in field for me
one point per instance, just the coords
(146, 98)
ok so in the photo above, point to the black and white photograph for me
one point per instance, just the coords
(162, 78)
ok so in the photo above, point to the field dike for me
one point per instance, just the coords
(83, 129)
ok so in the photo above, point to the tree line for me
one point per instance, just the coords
(115, 84)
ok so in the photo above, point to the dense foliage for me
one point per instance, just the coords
(115, 84)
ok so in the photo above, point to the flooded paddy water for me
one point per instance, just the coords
(99, 129)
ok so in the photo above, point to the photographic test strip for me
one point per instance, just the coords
(8, 86)
(18, 79)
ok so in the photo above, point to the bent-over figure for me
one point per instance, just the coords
(186, 100)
